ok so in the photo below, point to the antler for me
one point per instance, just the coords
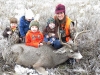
(66, 44)
(78, 33)
(74, 40)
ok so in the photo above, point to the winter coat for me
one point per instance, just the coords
(23, 26)
(48, 30)
(33, 38)
(65, 25)
(13, 37)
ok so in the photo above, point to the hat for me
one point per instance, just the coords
(34, 23)
(50, 20)
(60, 8)
(29, 14)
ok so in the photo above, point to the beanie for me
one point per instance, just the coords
(34, 23)
(60, 8)
(29, 14)
(50, 20)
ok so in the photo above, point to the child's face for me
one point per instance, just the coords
(34, 28)
(52, 25)
(13, 25)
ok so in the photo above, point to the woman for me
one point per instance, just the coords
(64, 23)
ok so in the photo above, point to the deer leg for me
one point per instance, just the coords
(38, 67)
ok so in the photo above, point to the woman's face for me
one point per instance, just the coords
(60, 15)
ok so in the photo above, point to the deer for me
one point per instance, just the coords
(40, 58)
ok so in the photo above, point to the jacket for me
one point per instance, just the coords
(66, 27)
(48, 30)
(13, 37)
(23, 26)
(33, 38)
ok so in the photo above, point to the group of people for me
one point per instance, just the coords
(29, 33)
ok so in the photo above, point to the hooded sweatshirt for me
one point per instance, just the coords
(33, 38)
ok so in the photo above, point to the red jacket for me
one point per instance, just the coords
(33, 38)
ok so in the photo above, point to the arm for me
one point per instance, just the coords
(5, 34)
(56, 32)
(21, 27)
(45, 31)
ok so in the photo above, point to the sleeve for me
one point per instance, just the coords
(56, 32)
(42, 37)
(45, 31)
(5, 35)
(29, 42)
(21, 28)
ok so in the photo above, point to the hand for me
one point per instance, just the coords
(40, 44)
(47, 36)
(53, 39)
(9, 32)
(52, 34)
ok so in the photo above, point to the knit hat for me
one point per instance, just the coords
(29, 14)
(60, 8)
(34, 23)
(50, 20)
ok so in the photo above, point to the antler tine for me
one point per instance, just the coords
(78, 33)
(66, 44)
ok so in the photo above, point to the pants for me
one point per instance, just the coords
(57, 44)
(51, 39)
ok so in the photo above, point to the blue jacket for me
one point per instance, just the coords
(23, 26)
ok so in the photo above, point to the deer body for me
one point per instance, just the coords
(39, 58)
(28, 56)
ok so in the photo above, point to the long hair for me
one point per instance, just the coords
(59, 22)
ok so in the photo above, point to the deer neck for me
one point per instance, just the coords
(60, 58)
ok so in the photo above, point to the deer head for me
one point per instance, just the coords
(73, 46)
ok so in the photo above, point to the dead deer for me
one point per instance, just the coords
(40, 58)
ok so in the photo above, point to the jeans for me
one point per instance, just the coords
(51, 39)
(54, 42)
(57, 44)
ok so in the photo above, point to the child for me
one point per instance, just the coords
(34, 37)
(50, 34)
(12, 32)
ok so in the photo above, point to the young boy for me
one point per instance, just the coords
(50, 34)
(34, 37)
(12, 32)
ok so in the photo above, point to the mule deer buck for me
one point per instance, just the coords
(40, 58)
